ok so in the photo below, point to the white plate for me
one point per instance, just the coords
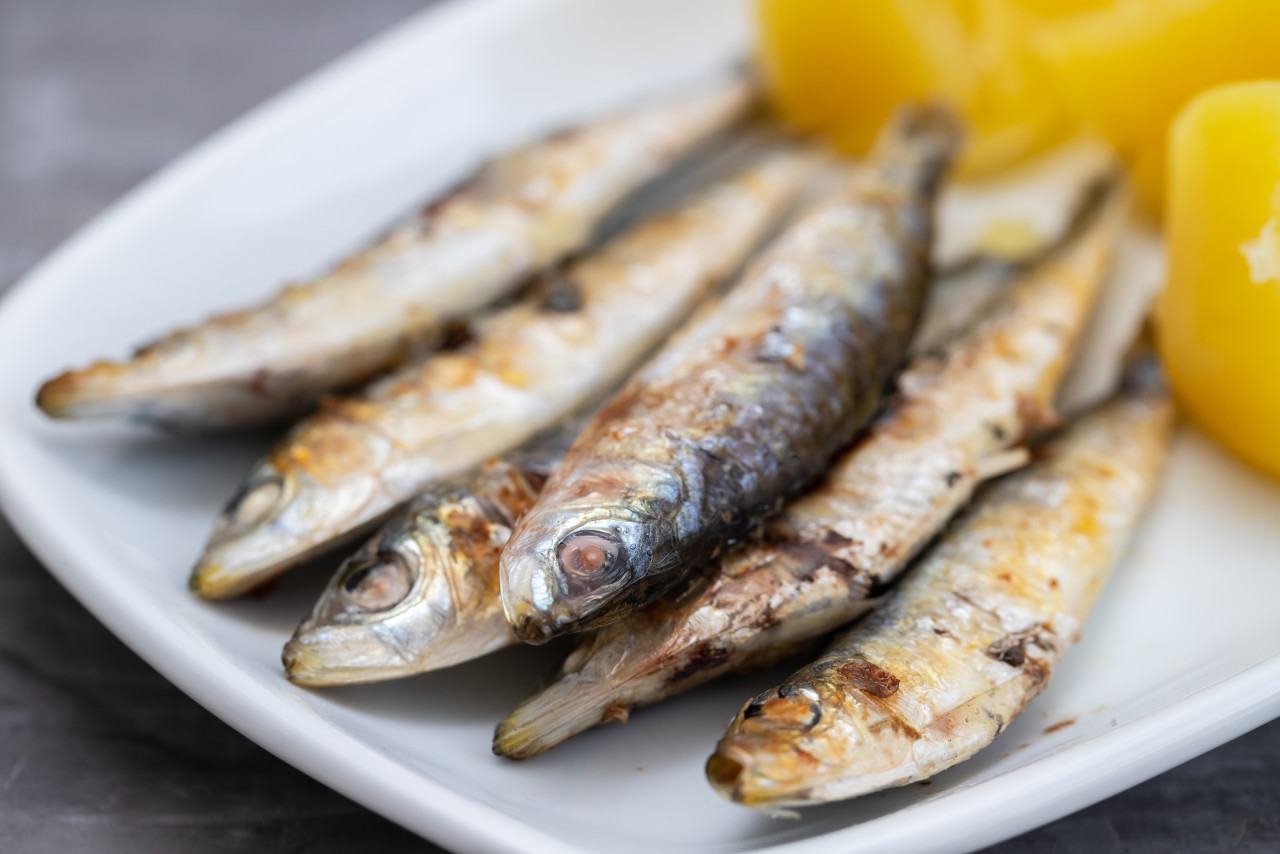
(1181, 655)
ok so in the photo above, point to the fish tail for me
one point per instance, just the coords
(917, 145)
(567, 707)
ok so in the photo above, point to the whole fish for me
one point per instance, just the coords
(717, 431)
(574, 337)
(423, 593)
(954, 422)
(972, 635)
(520, 213)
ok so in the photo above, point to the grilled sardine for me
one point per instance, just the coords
(573, 338)
(521, 213)
(719, 429)
(955, 421)
(972, 635)
(423, 593)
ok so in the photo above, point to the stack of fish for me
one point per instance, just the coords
(697, 477)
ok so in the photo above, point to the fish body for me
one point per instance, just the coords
(573, 338)
(422, 594)
(954, 421)
(972, 635)
(444, 542)
(519, 214)
(722, 426)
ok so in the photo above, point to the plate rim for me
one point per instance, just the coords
(1168, 735)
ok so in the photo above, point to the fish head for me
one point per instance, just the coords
(350, 635)
(585, 554)
(278, 518)
(825, 739)
(401, 605)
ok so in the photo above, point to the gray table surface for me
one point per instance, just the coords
(97, 751)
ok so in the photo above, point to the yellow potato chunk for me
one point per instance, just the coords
(1219, 317)
(839, 67)
(1129, 66)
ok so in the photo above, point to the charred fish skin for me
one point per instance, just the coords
(760, 608)
(422, 594)
(959, 417)
(973, 634)
(520, 213)
(571, 339)
(953, 423)
(718, 429)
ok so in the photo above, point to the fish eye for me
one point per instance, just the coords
(255, 503)
(588, 557)
(377, 584)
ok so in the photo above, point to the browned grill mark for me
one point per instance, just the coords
(870, 678)
(701, 658)
(835, 538)
(1009, 651)
(1036, 415)
(456, 335)
(1012, 648)
(805, 559)
(560, 294)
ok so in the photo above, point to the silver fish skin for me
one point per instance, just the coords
(519, 214)
(717, 430)
(572, 339)
(422, 594)
(955, 421)
(972, 635)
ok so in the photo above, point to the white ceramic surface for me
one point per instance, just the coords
(1181, 654)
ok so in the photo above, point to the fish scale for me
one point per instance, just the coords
(884, 499)
(520, 213)
(718, 431)
(523, 369)
(971, 636)
(342, 641)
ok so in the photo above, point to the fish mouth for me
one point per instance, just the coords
(322, 653)
(245, 548)
(211, 579)
(724, 773)
(538, 608)
(534, 626)
(762, 776)
(330, 655)
(219, 574)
